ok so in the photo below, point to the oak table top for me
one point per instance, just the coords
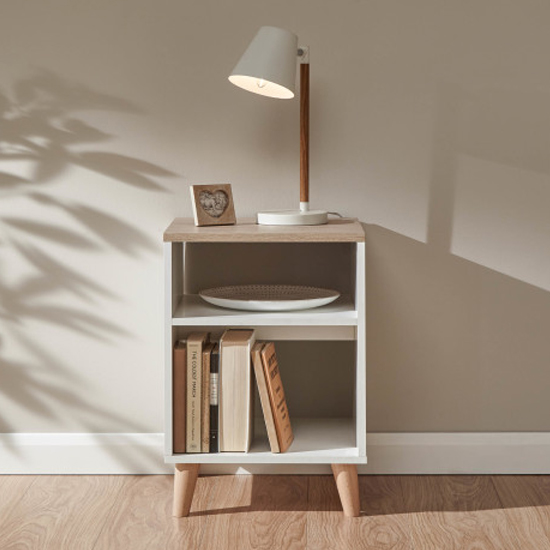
(247, 230)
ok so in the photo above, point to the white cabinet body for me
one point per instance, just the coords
(196, 258)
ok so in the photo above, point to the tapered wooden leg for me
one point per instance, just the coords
(185, 479)
(347, 484)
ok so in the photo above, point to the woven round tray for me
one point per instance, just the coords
(269, 297)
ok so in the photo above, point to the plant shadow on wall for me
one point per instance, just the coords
(457, 326)
(41, 134)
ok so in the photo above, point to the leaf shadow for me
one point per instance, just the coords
(40, 126)
(44, 134)
(40, 397)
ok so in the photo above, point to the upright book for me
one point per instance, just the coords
(214, 392)
(236, 397)
(195, 343)
(205, 405)
(277, 399)
(179, 397)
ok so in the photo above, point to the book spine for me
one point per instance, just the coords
(205, 399)
(264, 397)
(235, 395)
(277, 397)
(214, 400)
(179, 395)
(194, 380)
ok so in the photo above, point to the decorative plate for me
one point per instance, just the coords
(269, 297)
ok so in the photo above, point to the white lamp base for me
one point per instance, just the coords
(293, 217)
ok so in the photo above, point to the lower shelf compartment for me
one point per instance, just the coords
(316, 441)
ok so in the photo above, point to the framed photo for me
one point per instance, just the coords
(213, 204)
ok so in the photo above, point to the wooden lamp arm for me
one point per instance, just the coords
(304, 136)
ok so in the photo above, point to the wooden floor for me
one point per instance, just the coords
(264, 512)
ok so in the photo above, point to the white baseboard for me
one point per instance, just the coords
(82, 453)
(398, 453)
(458, 453)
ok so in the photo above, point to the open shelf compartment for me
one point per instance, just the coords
(192, 310)
(316, 441)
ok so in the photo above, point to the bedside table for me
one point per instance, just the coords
(338, 252)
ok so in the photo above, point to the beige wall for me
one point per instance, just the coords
(430, 123)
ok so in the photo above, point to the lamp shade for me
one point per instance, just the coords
(268, 66)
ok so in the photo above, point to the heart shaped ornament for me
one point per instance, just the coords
(214, 204)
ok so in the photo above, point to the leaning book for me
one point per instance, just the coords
(277, 399)
(264, 397)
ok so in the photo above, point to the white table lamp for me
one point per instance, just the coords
(268, 67)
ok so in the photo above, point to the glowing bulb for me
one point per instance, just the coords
(261, 83)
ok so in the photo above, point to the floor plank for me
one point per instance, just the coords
(258, 512)
(527, 505)
(456, 512)
(61, 512)
(382, 525)
(141, 517)
(264, 512)
(12, 489)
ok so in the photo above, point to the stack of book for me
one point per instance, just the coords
(195, 405)
(213, 393)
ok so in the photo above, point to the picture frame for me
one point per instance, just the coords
(213, 204)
